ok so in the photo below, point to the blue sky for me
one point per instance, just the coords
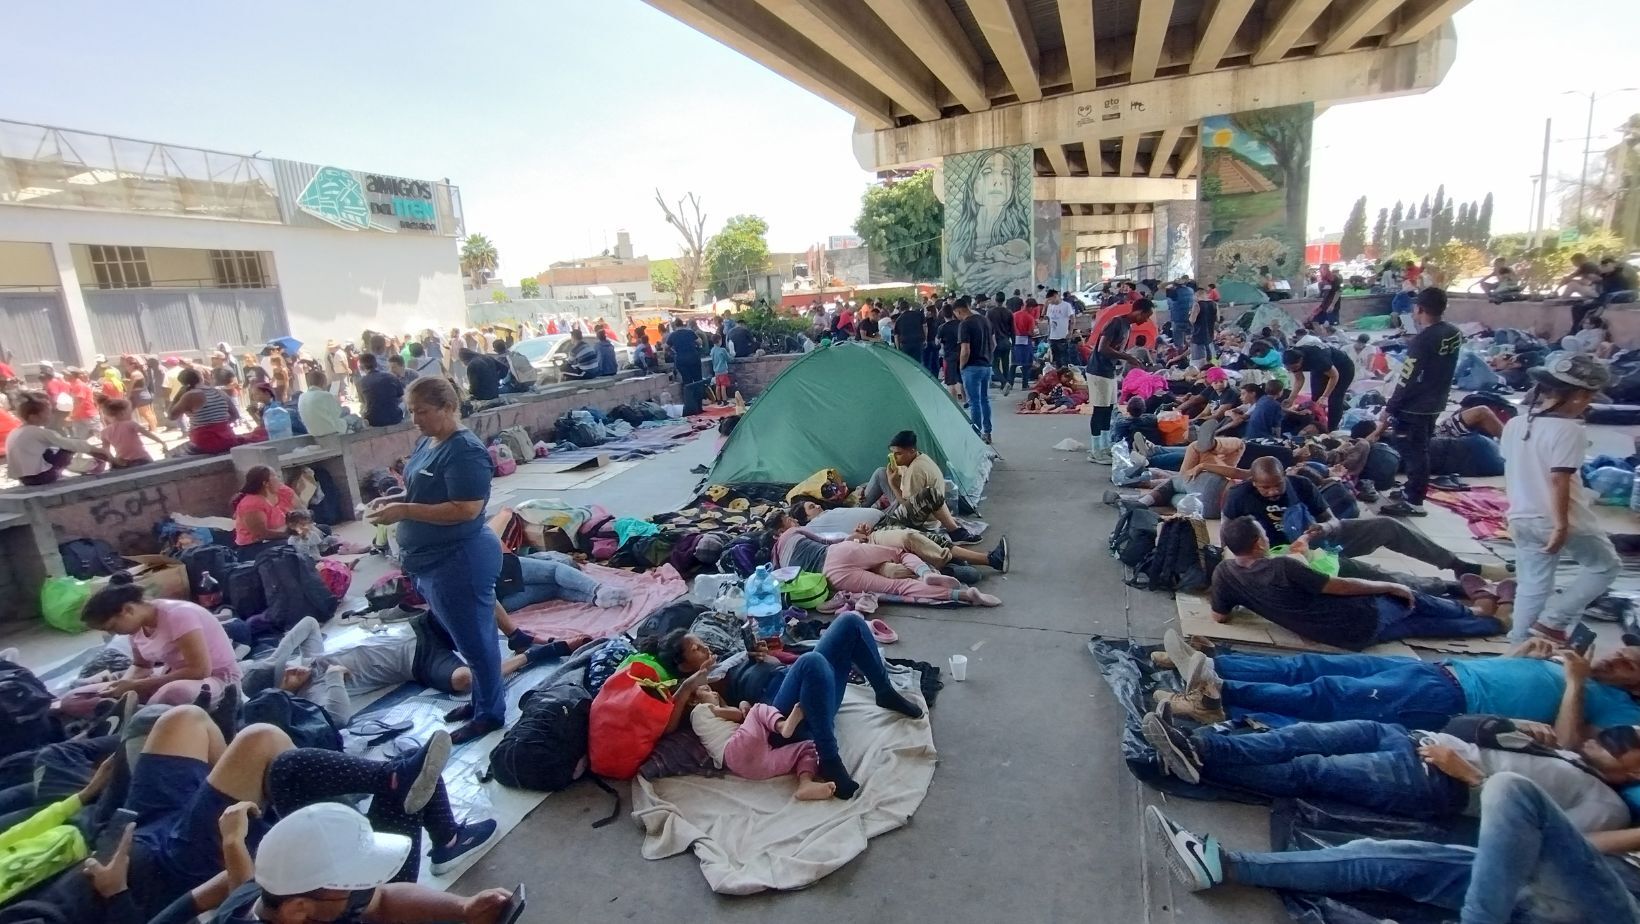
(559, 118)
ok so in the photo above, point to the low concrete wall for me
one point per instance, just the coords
(1548, 319)
(123, 508)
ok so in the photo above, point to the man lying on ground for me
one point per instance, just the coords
(526, 580)
(1345, 612)
(425, 655)
(1529, 858)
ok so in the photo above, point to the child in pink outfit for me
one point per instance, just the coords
(122, 436)
(738, 740)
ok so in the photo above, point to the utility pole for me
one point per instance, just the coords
(1543, 188)
(1583, 175)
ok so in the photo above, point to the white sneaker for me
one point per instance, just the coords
(1099, 456)
(1194, 861)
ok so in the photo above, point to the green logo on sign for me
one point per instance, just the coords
(334, 195)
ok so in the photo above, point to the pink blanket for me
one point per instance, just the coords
(1486, 510)
(1143, 384)
(650, 591)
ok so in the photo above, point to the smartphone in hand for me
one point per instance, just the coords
(515, 906)
(108, 839)
(1582, 640)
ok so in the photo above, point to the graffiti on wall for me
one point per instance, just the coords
(1047, 228)
(988, 220)
(1254, 190)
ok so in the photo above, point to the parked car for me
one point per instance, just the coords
(549, 354)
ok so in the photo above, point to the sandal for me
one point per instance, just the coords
(378, 730)
(883, 632)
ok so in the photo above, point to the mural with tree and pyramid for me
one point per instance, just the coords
(1254, 190)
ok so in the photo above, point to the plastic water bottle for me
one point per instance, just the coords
(210, 592)
(277, 421)
(1634, 494)
(763, 602)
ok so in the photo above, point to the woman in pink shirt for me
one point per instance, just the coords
(259, 512)
(178, 649)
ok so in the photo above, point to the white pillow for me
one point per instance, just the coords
(842, 520)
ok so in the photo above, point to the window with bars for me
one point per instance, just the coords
(238, 269)
(119, 267)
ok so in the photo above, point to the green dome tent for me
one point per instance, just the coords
(837, 408)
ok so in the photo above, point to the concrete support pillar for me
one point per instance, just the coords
(1047, 234)
(1253, 188)
(79, 319)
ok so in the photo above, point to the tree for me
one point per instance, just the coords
(500, 297)
(1354, 241)
(1460, 228)
(663, 276)
(1379, 228)
(737, 253)
(1483, 222)
(1455, 260)
(1446, 221)
(478, 258)
(529, 287)
(690, 223)
(901, 219)
(1395, 216)
(1286, 132)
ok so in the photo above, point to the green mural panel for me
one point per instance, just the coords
(988, 221)
(1254, 190)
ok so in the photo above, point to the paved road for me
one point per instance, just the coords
(1031, 816)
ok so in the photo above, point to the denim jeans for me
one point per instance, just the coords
(1535, 569)
(1370, 764)
(931, 359)
(460, 590)
(1428, 617)
(1326, 688)
(976, 384)
(817, 679)
(1022, 362)
(546, 578)
(1171, 458)
(1473, 374)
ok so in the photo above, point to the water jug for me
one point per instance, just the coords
(277, 420)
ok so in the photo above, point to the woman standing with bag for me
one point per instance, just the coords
(445, 546)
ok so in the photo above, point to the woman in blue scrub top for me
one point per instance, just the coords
(445, 546)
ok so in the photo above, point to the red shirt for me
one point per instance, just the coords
(55, 387)
(1024, 323)
(85, 401)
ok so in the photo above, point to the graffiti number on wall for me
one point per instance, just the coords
(117, 511)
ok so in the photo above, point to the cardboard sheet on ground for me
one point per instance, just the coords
(650, 591)
(753, 835)
(1196, 618)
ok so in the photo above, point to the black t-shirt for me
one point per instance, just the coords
(382, 392)
(909, 327)
(1015, 303)
(1426, 376)
(1288, 592)
(1318, 361)
(1116, 334)
(976, 333)
(1002, 325)
(951, 338)
(1620, 279)
(931, 327)
(1244, 500)
(868, 327)
(484, 378)
(740, 338)
(1207, 318)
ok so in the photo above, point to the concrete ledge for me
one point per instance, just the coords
(124, 507)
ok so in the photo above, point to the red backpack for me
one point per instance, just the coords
(629, 715)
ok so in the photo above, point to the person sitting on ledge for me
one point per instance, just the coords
(37, 454)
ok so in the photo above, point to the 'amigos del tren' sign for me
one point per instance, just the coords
(370, 202)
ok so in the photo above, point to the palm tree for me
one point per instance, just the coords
(478, 258)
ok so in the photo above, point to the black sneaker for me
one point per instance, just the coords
(1401, 508)
(471, 838)
(1174, 748)
(962, 535)
(998, 559)
(416, 775)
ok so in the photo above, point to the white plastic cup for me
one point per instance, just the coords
(959, 667)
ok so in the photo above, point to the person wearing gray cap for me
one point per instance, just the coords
(1550, 511)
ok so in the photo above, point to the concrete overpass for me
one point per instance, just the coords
(1103, 90)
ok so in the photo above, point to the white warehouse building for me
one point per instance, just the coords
(109, 245)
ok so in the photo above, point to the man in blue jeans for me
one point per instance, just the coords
(1526, 684)
(1529, 857)
(1346, 612)
(974, 359)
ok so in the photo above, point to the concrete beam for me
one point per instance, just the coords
(1106, 239)
(1111, 189)
(1356, 25)
(871, 51)
(1130, 154)
(1374, 73)
(1164, 150)
(756, 33)
(1420, 19)
(1148, 37)
(1220, 21)
(931, 30)
(1076, 20)
(1280, 38)
(1103, 223)
(1056, 157)
(1190, 160)
(1008, 31)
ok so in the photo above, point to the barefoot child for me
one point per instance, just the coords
(123, 437)
(738, 740)
(35, 454)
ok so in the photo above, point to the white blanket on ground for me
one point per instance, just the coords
(753, 835)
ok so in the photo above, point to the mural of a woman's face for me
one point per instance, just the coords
(994, 183)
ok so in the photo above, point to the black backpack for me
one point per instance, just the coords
(25, 705)
(1175, 562)
(244, 590)
(308, 725)
(293, 588)
(546, 748)
(1383, 463)
(679, 615)
(89, 558)
(1134, 536)
(216, 560)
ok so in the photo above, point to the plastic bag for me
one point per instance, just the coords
(1127, 467)
(61, 600)
(1612, 485)
(1189, 505)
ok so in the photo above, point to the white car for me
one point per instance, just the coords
(549, 354)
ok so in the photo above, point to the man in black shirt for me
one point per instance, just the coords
(382, 393)
(974, 359)
(740, 341)
(1108, 353)
(1002, 339)
(483, 374)
(1289, 508)
(1345, 612)
(1426, 380)
(931, 337)
(909, 332)
(1329, 372)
